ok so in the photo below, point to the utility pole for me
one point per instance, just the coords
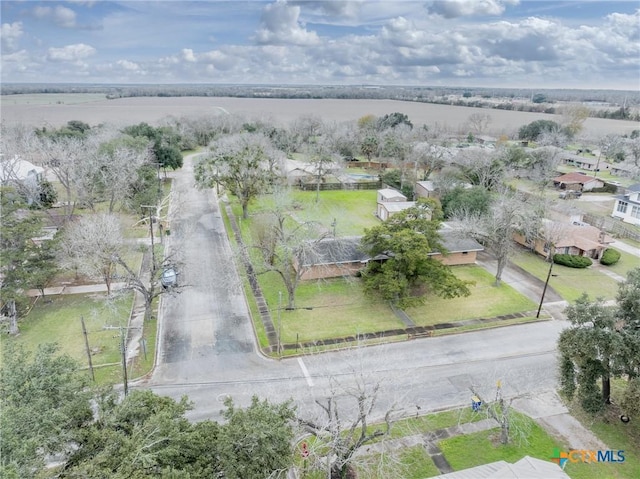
(279, 324)
(123, 352)
(153, 249)
(123, 348)
(544, 290)
(86, 344)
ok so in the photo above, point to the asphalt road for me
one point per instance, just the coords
(207, 348)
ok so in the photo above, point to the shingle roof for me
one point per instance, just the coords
(574, 177)
(334, 251)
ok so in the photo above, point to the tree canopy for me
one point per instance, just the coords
(244, 163)
(602, 343)
(533, 130)
(48, 408)
(402, 244)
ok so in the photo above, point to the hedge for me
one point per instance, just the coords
(609, 257)
(572, 261)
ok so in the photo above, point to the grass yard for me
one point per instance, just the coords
(339, 308)
(569, 283)
(353, 211)
(627, 263)
(484, 447)
(485, 301)
(56, 319)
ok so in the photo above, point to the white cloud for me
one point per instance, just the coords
(188, 56)
(127, 65)
(10, 33)
(70, 53)
(279, 25)
(61, 16)
(465, 8)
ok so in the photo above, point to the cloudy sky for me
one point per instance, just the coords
(502, 43)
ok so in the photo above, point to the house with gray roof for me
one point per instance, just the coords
(337, 257)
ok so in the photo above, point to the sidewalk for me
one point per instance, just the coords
(80, 289)
(526, 284)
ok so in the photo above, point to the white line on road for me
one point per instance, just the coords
(305, 372)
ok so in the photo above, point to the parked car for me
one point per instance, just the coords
(570, 194)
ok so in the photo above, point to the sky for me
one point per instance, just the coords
(482, 43)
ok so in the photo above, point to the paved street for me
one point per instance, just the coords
(207, 347)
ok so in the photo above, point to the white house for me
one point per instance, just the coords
(627, 206)
(22, 175)
(389, 208)
(386, 195)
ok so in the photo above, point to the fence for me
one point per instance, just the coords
(362, 185)
(613, 226)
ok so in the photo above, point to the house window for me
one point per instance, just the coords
(635, 212)
(622, 207)
(465, 252)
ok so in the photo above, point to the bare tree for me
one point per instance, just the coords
(323, 159)
(429, 157)
(479, 122)
(480, 167)
(63, 155)
(242, 163)
(345, 421)
(542, 165)
(284, 241)
(92, 246)
(496, 229)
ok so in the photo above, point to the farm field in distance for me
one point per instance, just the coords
(87, 107)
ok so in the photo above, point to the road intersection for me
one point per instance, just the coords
(207, 347)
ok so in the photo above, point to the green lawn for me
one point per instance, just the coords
(627, 263)
(569, 283)
(339, 308)
(484, 447)
(485, 301)
(353, 211)
(56, 319)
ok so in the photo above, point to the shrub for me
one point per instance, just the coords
(572, 261)
(609, 257)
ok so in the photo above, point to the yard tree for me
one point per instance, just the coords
(283, 241)
(322, 158)
(573, 118)
(369, 146)
(45, 405)
(628, 313)
(408, 271)
(533, 130)
(343, 421)
(23, 264)
(243, 163)
(478, 122)
(165, 143)
(92, 245)
(475, 201)
(393, 120)
(591, 344)
(63, 156)
(495, 229)
(256, 442)
(542, 164)
(148, 283)
(117, 163)
(428, 157)
(480, 168)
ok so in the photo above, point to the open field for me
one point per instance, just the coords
(153, 109)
